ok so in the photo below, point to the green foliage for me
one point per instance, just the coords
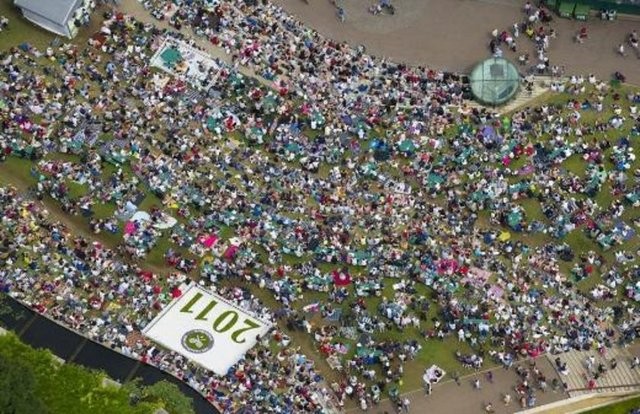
(74, 389)
(162, 393)
(623, 407)
(6, 309)
(33, 381)
(170, 395)
(18, 389)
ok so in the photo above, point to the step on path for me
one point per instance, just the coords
(541, 85)
(623, 378)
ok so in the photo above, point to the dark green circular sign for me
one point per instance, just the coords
(197, 341)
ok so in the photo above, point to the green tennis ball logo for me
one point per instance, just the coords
(197, 341)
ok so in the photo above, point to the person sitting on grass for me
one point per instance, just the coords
(4, 23)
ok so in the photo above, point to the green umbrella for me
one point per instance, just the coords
(434, 179)
(212, 123)
(318, 118)
(293, 147)
(256, 133)
(235, 79)
(407, 146)
(170, 56)
(369, 168)
(269, 102)
(514, 218)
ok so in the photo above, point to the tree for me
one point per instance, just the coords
(33, 381)
(34, 376)
(163, 392)
(18, 389)
(174, 400)
(5, 309)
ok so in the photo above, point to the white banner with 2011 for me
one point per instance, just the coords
(207, 329)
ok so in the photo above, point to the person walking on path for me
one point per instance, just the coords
(406, 402)
(456, 378)
(428, 387)
(506, 399)
(582, 35)
(621, 51)
(489, 376)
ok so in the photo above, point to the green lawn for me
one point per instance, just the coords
(77, 190)
(576, 165)
(623, 407)
(20, 29)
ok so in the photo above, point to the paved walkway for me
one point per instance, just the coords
(614, 380)
(449, 397)
(454, 34)
(578, 405)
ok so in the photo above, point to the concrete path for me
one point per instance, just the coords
(619, 377)
(450, 398)
(454, 34)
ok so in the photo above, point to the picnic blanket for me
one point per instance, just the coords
(476, 277)
(433, 374)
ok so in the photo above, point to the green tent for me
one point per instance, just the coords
(212, 123)
(269, 102)
(235, 79)
(407, 146)
(256, 133)
(170, 57)
(466, 153)
(369, 168)
(293, 147)
(633, 197)
(318, 118)
(566, 8)
(362, 351)
(582, 11)
(434, 179)
(514, 218)
(361, 255)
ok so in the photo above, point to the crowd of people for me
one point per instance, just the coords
(88, 288)
(535, 27)
(368, 181)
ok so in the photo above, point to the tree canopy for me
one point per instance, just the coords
(164, 392)
(33, 381)
(17, 389)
